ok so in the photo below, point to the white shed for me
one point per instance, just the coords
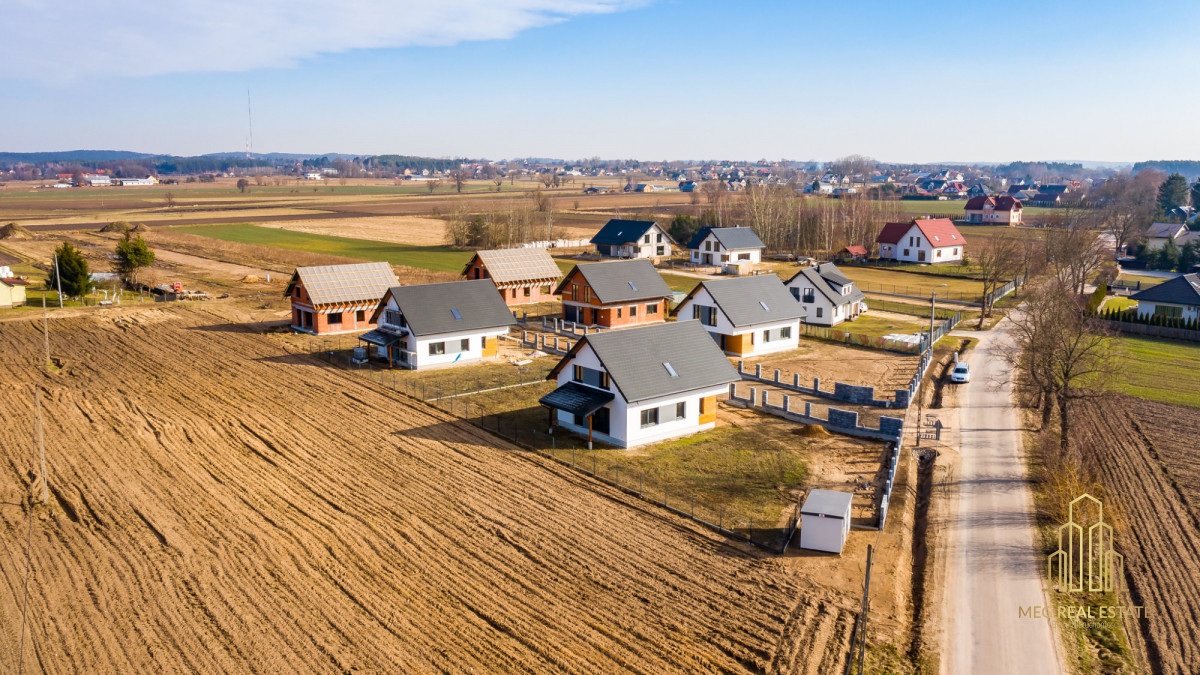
(825, 520)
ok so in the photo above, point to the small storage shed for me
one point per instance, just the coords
(825, 520)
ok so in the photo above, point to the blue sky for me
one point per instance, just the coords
(899, 81)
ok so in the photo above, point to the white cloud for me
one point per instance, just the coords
(67, 39)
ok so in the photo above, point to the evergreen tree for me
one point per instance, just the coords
(1172, 193)
(72, 272)
(132, 255)
(1167, 257)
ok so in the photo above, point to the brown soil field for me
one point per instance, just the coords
(835, 362)
(220, 504)
(1146, 457)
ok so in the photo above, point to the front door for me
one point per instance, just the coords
(921, 255)
(707, 258)
(600, 421)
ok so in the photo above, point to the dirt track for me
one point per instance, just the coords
(1147, 459)
(221, 505)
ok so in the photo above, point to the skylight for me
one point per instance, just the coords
(764, 305)
(670, 369)
(457, 316)
(631, 285)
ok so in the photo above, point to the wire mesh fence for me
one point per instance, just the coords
(497, 404)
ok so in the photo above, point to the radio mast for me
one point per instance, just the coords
(250, 121)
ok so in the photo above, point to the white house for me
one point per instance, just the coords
(825, 520)
(149, 180)
(640, 385)
(314, 175)
(827, 295)
(924, 240)
(633, 239)
(1158, 234)
(1177, 298)
(745, 316)
(442, 324)
(721, 245)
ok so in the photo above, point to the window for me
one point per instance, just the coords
(335, 319)
(795, 292)
(483, 342)
(579, 421)
(360, 316)
(670, 369)
(918, 241)
(632, 285)
(514, 294)
(572, 292)
(766, 336)
(587, 294)
(939, 253)
(956, 251)
(1168, 311)
(527, 291)
(591, 377)
(659, 251)
(764, 305)
(436, 348)
(457, 316)
(680, 410)
(708, 246)
(546, 290)
(632, 311)
(724, 258)
(810, 295)
(465, 345)
(652, 309)
(658, 239)
(910, 241)
(785, 332)
(905, 251)
(743, 256)
(646, 240)
(819, 312)
(618, 312)
(706, 315)
(393, 318)
(296, 292)
(649, 417)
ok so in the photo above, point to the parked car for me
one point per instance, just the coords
(961, 373)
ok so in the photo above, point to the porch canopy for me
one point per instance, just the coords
(380, 338)
(576, 399)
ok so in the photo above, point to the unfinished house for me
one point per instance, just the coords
(522, 275)
(330, 299)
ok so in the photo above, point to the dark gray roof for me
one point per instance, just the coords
(577, 399)
(380, 338)
(622, 280)
(1164, 230)
(749, 301)
(730, 237)
(828, 503)
(1182, 290)
(636, 359)
(616, 231)
(430, 309)
(828, 280)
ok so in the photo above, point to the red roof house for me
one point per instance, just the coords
(925, 240)
(997, 210)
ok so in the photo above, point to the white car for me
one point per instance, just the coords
(961, 373)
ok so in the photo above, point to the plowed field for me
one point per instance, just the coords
(1147, 457)
(222, 506)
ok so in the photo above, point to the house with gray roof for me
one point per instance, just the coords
(443, 324)
(614, 294)
(1158, 234)
(641, 385)
(828, 296)
(722, 245)
(1175, 298)
(745, 316)
(329, 299)
(621, 238)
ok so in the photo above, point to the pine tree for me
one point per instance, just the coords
(72, 272)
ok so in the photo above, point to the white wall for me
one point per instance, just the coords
(725, 326)
(920, 243)
(1146, 308)
(823, 534)
(831, 315)
(417, 348)
(718, 252)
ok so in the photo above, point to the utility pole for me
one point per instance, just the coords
(58, 279)
(932, 312)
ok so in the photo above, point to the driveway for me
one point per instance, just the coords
(993, 569)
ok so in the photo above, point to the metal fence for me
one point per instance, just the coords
(859, 339)
(458, 396)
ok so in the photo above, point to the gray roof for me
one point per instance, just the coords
(617, 231)
(1164, 230)
(577, 399)
(622, 280)
(329, 284)
(828, 280)
(636, 359)
(828, 503)
(749, 301)
(730, 237)
(430, 309)
(512, 265)
(1182, 290)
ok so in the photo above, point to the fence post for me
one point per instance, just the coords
(721, 518)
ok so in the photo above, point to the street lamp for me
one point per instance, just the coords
(933, 312)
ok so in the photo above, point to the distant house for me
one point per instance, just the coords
(522, 275)
(614, 294)
(97, 179)
(687, 186)
(314, 175)
(818, 187)
(149, 180)
(745, 316)
(642, 385)
(926, 240)
(1158, 234)
(720, 245)
(12, 292)
(337, 298)
(993, 210)
(633, 239)
(427, 325)
(828, 296)
(1046, 199)
(1177, 298)
(854, 253)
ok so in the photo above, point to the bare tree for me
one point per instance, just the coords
(169, 199)
(459, 178)
(1128, 204)
(432, 184)
(1073, 252)
(498, 180)
(999, 261)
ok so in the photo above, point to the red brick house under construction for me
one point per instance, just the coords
(523, 275)
(338, 298)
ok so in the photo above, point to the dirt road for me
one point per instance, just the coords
(994, 569)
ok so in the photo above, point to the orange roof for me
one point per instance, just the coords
(856, 250)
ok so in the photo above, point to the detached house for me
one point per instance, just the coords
(998, 210)
(1158, 234)
(332, 299)
(1177, 298)
(633, 239)
(721, 245)
(745, 316)
(614, 294)
(12, 291)
(427, 325)
(926, 240)
(827, 295)
(523, 275)
(642, 385)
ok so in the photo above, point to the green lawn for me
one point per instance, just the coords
(1160, 370)
(1146, 281)
(426, 257)
(1119, 302)
(880, 326)
(872, 280)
